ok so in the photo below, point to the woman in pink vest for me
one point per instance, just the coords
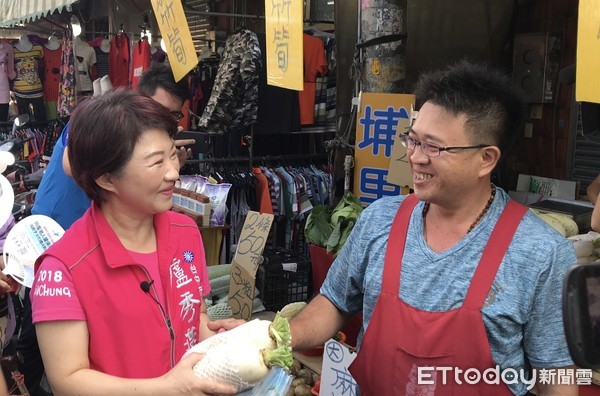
(120, 298)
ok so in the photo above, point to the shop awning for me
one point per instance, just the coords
(22, 11)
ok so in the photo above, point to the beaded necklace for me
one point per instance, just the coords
(479, 217)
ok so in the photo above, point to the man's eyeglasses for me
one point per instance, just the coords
(178, 115)
(430, 149)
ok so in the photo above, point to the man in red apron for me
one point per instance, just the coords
(459, 286)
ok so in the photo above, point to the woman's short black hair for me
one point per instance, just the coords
(103, 133)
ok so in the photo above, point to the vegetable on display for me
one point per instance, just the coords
(587, 247)
(330, 228)
(562, 223)
(243, 356)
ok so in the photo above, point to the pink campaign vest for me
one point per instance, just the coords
(132, 336)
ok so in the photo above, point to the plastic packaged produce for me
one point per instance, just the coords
(243, 356)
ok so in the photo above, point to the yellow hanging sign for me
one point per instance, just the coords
(175, 32)
(587, 83)
(285, 54)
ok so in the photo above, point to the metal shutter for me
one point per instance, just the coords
(199, 24)
(586, 155)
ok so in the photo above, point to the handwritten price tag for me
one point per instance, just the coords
(252, 240)
(241, 292)
(335, 378)
(246, 261)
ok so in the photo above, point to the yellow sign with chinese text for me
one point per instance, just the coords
(285, 53)
(376, 125)
(175, 32)
(587, 83)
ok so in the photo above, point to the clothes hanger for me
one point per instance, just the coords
(242, 26)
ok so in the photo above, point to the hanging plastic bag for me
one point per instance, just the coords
(276, 383)
(218, 199)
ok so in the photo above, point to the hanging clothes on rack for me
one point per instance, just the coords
(36, 135)
(157, 55)
(85, 60)
(52, 60)
(27, 86)
(7, 72)
(101, 46)
(233, 101)
(66, 93)
(51, 134)
(202, 80)
(277, 186)
(315, 65)
(118, 60)
(263, 196)
(325, 84)
(140, 60)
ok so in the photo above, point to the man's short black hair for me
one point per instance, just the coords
(160, 75)
(494, 109)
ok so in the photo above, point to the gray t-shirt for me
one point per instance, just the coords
(523, 311)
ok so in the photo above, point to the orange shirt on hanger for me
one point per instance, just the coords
(263, 196)
(315, 64)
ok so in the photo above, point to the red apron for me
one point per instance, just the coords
(401, 338)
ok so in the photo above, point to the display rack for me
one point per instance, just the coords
(258, 159)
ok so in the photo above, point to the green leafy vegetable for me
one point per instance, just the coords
(280, 356)
(318, 225)
(330, 229)
(344, 235)
(280, 331)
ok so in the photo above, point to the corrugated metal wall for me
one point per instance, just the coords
(199, 24)
(586, 156)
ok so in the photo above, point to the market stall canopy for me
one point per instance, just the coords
(21, 11)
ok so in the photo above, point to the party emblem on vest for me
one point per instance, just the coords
(188, 256)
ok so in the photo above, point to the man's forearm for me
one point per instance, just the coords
(316, 323)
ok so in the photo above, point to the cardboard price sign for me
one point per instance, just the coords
(252, 240)
(399, 171)
(245, 263)
(241, 292)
